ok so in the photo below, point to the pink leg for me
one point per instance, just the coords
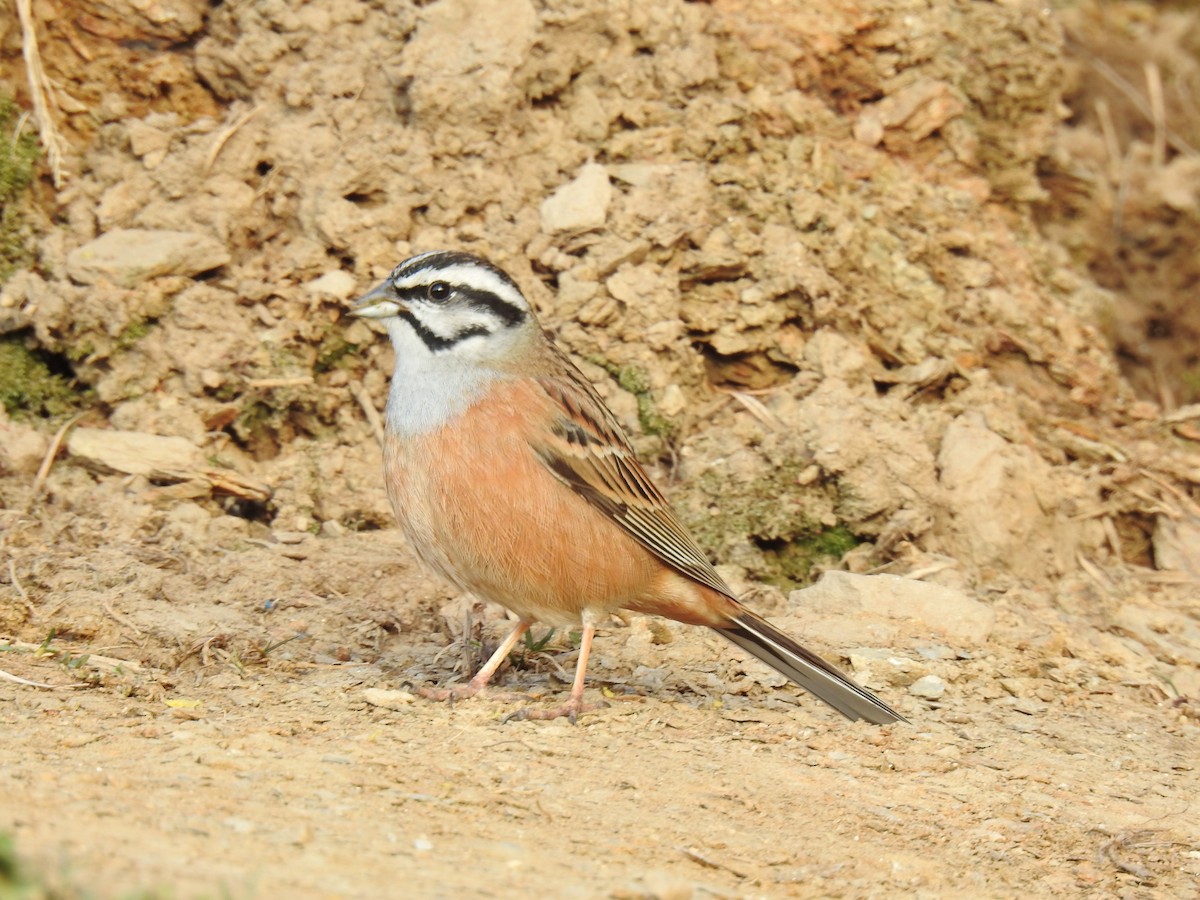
(575, 705)
(484, 675)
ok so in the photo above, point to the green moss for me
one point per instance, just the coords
(266, 425)
(21, 881)
(27, 386)
(332, 353)
(1190, 378)
(258, 424)
(79, 352)
(783, 522)
(795, 560)
(10, 869)
(18, 153)
(228, 392)
(134, 332)
(835, 542)
(635, 380)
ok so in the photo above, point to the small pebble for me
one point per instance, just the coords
(928, 686)
(388, 699)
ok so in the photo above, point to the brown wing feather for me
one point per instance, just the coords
(588, 451)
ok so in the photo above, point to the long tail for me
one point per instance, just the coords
(756, 635)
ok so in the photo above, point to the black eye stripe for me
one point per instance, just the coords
(508, 314)
(476, 298)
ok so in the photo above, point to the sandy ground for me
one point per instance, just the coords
(209, 755)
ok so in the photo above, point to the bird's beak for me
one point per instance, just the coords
(378, 303)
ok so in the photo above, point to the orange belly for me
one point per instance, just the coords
(480, 508)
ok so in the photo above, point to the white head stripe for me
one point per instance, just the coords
(474, 277)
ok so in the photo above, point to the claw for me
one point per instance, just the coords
(571, 710)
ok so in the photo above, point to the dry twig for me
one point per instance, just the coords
(758, 409)
(16, 679)
(1134, 96)
(43, 471)
(297, 381)
(1158, 113)
(94, 661)
(16, 582)
(224, 136)
(1111, 143)
(1108, 850)
(369, 410)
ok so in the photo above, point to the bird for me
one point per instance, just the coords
(512, 480)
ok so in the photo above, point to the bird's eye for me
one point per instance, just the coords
(439, 292)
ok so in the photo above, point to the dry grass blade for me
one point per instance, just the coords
(1108, 850)
(1111, 144)
(224, 136)
(758, 409)
(1134, 96)
(94, 661)
(369, 410)
(15, 581)
(17, 679)
(1183, 414)
(1186, 504)
(1158, 114)
(43, 471)
(36, 76)
(298, 381)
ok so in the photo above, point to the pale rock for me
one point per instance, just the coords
(148, 143)
(394, 700)
(463, 57)
(1001, 496)
(579, 205)
(588, 116)
(332, 528)
(1168, 634)
(928, 686)
(879, 667)
(640, 174)
(574, 293)
(673, 401)
(836, 356)
(663, 335)
(337, 283)
(128, 256)
(923, 608)
(124, 200)
(1177, 544)
(22, 447)
(135, 453)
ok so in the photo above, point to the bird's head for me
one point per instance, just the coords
(451, 306)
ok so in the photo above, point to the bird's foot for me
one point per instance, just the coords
(456, 692)
(571, 710)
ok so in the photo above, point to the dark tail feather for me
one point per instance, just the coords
(758, 636)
